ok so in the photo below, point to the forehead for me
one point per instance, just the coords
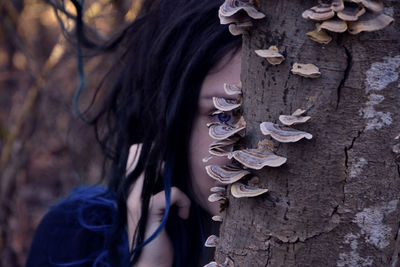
(226, 71)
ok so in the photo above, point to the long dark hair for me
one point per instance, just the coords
(152, 98)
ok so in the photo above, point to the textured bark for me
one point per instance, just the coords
(336, 200)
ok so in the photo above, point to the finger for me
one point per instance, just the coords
(178, 198)
(133, 157)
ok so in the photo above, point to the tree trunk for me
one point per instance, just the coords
(336, 200)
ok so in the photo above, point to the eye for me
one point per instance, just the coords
(224, 117)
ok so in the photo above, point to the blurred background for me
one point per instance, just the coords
(44, 149)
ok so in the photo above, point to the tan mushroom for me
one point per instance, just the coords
(351, 12)
(337, 5)
(319, 12)
(212, 241)
(226, 174)
(257, 159)
(396, 149)
(266, 145)
(373, 5)
(239, 190)
(319, 36)
(224, 104)
(241, 27)
(217, 218)
(283, 134)
(215, 197)
(232, 89)
(298, 112)
(333, 25)
(271, 54)
(228, 263)
(306, 70)
(221, 131)
(292, 120)
(236, 30)
(370, 22)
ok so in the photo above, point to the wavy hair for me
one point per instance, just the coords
(151, 98)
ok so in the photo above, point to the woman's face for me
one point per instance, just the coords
(226, 71)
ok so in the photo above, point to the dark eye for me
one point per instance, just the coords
(223, 117)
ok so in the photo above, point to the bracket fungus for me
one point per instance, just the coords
(220, 131)
(319, 12)
(351, 12)
(228, 263)
(289, 120)
(224, 104)
(271, 54)
(240, 27)
(239, 190)
(240, 13)
(283, 134)
(354, 16)
(217, 218)
(257, 159)
(222, 148)
(212, 241)
(319, 35)
(232, 89)
(227, 174)
(218, 189)
(306, 70)
(333, 25)
(396, 149)
(370, 22)
(231, 8)
(216, 197)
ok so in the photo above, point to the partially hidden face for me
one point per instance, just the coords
(225, 71)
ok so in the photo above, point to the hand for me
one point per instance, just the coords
(159, 252)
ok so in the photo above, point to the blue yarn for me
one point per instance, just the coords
(81, 71)
(91, 201)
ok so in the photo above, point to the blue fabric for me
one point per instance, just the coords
(77, 231)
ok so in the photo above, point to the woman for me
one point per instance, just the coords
(176, 57)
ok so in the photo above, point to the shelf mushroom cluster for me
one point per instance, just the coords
(354, 16)
(285, 134)
(226, 134)
(239, 14)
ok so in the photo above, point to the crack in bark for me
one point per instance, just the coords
(396, 252)
(286, 90)
(269, 255)
(278, 240)
(398, 169)
(346, 149)
(349, 60)
(335, 209)
(346, 161)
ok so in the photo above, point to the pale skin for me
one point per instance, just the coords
(159, 252)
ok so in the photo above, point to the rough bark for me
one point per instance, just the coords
(336, 200)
